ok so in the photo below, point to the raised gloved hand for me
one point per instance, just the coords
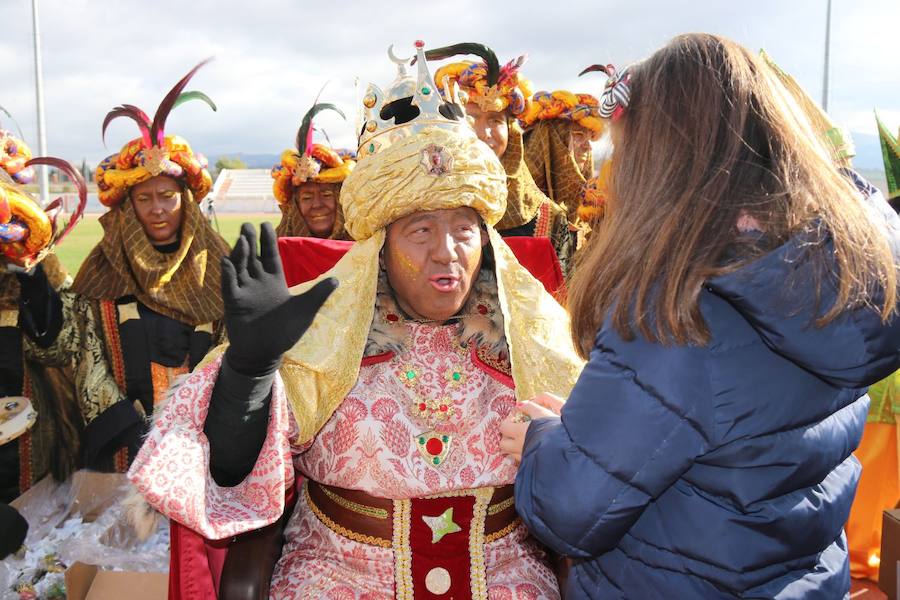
(262, 318)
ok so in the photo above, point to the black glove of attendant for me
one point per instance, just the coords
(41, 307)
(262, 318)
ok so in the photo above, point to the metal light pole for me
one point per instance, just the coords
(39, 93)
(827, 57)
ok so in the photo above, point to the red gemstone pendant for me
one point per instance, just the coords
(434, 447)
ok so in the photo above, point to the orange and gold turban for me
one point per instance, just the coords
(582, 109)
(28, 231)
(154, 153)
(316, 163)
(492, 87)
(14, 153)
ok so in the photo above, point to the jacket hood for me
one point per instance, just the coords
(775, 293)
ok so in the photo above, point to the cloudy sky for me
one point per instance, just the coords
(272, 56)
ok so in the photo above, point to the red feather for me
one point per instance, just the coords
(76, 178)
(608, 69)
(157, 129)
(133, 113)
(512, 67)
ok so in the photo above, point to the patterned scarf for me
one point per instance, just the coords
(183, 285)
(524, 197)
(550, 160)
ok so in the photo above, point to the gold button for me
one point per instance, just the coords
(438, 581)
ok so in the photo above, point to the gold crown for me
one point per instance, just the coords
(408, 106)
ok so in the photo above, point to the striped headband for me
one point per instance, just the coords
(617, 92)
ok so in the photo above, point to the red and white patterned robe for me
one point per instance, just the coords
(369, 444)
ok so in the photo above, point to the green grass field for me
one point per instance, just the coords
(88, 232)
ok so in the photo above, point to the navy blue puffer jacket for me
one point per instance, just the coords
(719, 471)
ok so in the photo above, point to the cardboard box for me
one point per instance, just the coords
(87, 582)
(889, 575)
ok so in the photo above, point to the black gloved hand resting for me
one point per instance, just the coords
(33, 281)
(262, 318)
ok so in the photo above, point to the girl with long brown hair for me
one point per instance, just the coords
(733, 305)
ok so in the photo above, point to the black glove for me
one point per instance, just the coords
(40, 304)
(262, 318)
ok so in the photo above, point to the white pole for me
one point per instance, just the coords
(827, 57)
(39, 93)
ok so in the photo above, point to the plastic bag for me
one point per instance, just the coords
(83, 520)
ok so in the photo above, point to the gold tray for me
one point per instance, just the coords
(16, 417)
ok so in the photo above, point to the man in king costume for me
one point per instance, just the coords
(386, 395)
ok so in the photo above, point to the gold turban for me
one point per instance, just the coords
(436, 169)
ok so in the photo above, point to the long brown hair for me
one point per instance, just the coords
(711, 136)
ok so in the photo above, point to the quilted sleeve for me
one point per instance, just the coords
(634, 423)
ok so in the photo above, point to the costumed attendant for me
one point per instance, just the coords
(38, 417)
(386, 394)
(308, 184)
(145, 306)
(879, 485)
(559, 129)
(710, 435)
(495, 98)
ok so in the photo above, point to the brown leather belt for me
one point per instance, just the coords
(370, 519)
